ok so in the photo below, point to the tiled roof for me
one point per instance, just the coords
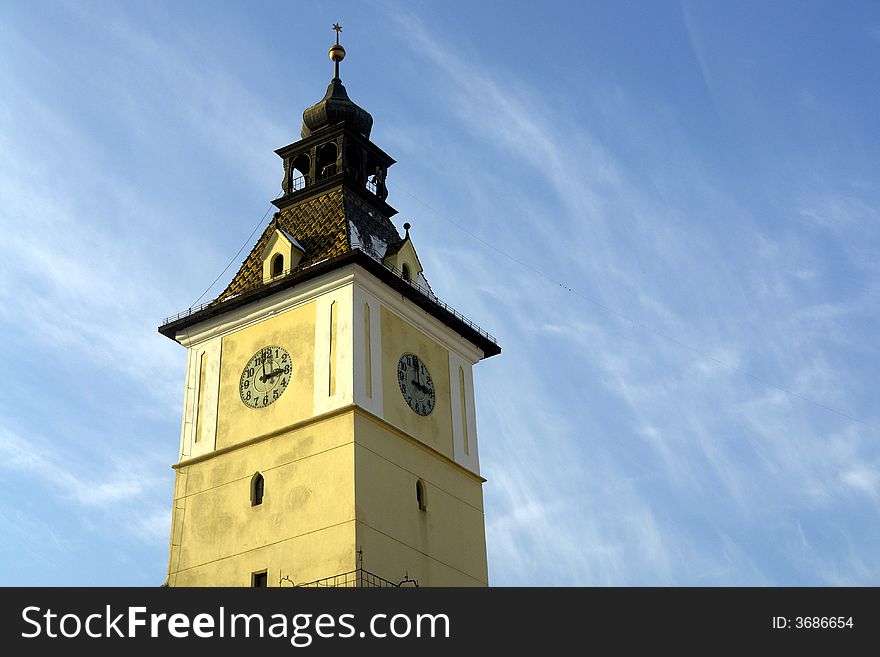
(323, 226)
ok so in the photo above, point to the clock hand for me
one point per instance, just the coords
(271, 375)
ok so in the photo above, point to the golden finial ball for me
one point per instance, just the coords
(336, 52)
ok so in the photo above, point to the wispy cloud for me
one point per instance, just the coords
(97, 487)
(614, 455)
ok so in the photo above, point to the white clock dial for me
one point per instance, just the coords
(265, 377)
(416, 384)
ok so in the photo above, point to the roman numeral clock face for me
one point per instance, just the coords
(265, 377)
(416, 384)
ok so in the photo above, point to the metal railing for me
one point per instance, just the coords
(296, 184)
(327, 171)
(359, 578)
(186, 313)
(426, 291)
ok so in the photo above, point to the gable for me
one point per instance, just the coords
(281, 255)
(403, 258)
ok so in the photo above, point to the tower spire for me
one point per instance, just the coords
(336, 106)
(336, 52)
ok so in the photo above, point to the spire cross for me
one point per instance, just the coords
(337, 52)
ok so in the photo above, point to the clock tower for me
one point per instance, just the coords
(329, 434)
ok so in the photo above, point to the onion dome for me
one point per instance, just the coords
(336, 106)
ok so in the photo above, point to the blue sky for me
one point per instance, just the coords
(668, 213)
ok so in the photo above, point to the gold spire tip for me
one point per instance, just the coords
(337, 52)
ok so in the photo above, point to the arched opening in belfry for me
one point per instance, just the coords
(376, 183)
(327, 155)
(404, 271)
(299, 174)
(354, 163)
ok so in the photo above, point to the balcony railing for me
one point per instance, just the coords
(189, 311)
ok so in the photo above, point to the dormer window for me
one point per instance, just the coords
(281, 255)
(401, 256)
(277, 265)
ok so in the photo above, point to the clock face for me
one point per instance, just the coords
(416, 384)
(265, 376)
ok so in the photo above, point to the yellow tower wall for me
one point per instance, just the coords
(398, 338)
(444, 545)
(304, 529)
(294, 330)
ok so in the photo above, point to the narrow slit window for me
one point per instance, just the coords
(420, 496)
(404, 270)
(258, 487)
(277, 265)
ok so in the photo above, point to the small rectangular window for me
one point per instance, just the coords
(260, 579)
